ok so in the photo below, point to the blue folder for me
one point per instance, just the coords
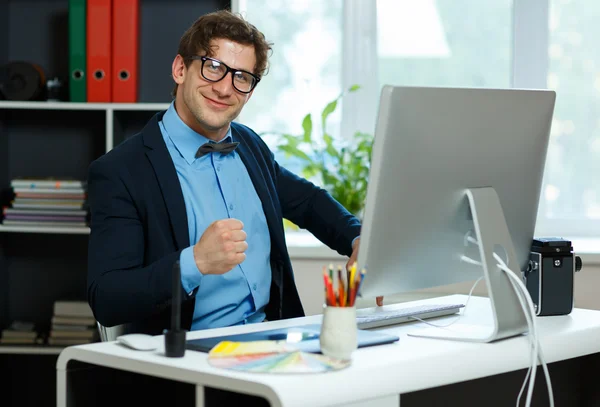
(304, 338)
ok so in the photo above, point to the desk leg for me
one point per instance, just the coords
(61, 388)
(199, 395)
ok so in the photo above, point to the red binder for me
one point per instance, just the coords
(98, 23)
(125, 28)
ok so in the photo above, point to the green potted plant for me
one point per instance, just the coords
(340, 166)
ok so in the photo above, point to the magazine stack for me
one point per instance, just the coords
(48, 202)
(73, 323)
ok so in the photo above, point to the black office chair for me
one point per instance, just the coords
(110, 333)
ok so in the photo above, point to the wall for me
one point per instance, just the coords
(308, 272)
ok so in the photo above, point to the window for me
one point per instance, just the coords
(322, 47)
(305, 66)
(571, 194)
(438, 43)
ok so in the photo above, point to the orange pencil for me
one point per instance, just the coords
(330, 292)
(329, 295)
(326, 290)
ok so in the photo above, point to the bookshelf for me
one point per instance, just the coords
(39, 265)
(31, 350)
(10, 104)
(44, 229)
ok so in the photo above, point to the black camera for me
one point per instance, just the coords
(551, 274)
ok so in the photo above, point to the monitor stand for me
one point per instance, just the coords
(491, 231)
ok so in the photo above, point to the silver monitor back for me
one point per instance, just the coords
(430, 146)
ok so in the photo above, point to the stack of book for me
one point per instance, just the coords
(20, 333)
(73, 323)
(47, 202)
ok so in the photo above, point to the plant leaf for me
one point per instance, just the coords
(292, 141)
(329, 146)
(311, 170)
(343, 166)
(329, 179)
(294, 151)
(330, 108)
(307, 127)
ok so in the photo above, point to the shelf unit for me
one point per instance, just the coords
(39, 265)
(119, 117)
(45, 229)
(53, 139)
(31, 350)
(10, 104)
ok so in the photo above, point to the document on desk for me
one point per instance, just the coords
(303, 338)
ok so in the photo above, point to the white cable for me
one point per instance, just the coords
(461, 314)
(471, 239)
(530, 316)
(533, 343)
(470, 260)
(532, 338)
(524, 298)
(529, 311)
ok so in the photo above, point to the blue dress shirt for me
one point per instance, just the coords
(217, 186)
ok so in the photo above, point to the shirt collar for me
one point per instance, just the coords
(186, 140)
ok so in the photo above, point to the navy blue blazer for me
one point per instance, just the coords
(139, 228)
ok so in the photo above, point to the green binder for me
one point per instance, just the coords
(77, 54)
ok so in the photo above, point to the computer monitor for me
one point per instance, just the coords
(451, 168)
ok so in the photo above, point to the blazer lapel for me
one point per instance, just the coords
(161, 161)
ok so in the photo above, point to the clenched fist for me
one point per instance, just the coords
(221, 247)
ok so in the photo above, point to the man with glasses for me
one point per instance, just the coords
(194, 187)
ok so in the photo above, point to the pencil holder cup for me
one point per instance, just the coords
(338, 332)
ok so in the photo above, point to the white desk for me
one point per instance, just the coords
(378, 375)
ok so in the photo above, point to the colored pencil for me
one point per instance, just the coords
(331, 293)
(343, 292)
(325, 284)
(353, 275)
(362, 277)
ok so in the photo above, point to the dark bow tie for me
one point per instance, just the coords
(212, 147)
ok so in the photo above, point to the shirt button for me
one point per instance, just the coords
(231, 206)
(254, 286)
(218, 168)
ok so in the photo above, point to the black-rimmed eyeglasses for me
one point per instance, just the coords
(214, 70)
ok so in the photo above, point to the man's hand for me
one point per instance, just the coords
(354, 255)
(221, 247)
(352, 260)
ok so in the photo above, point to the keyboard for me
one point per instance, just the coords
(375, 319)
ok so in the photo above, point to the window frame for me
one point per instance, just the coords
(530, 66)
